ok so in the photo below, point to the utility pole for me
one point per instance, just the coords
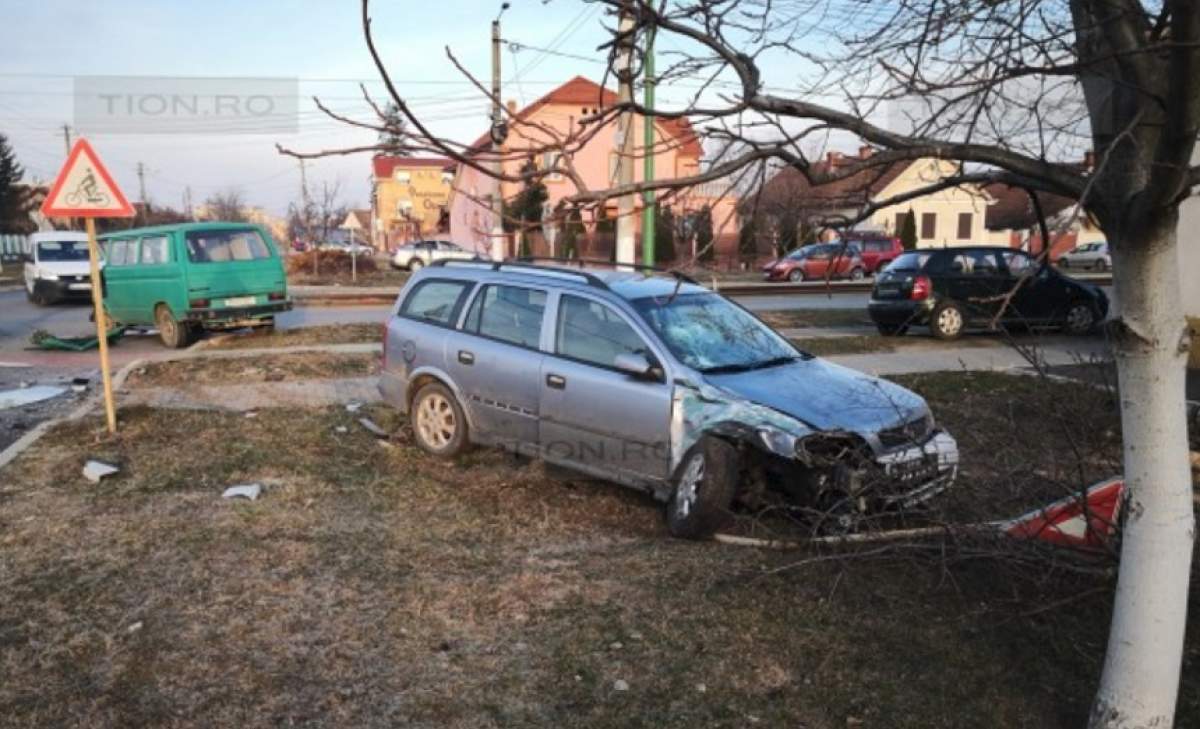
(141, 173)
(187, 202)
(67, 138)
(625, 153)
(498, 133)
(648, 144)
(304, 213)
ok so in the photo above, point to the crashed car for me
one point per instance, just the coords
(654, 382)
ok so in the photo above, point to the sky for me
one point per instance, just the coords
(47, 45)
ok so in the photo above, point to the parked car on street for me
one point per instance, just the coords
(413, 256)
(877, 249)
(818, 262)
(1090, 256)
(57, 267)
(952, 289)
(347, 247)
(656, 383)
(191, 277)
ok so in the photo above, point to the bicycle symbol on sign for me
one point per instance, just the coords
(88, 191)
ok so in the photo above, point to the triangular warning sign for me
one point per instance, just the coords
(84, 189)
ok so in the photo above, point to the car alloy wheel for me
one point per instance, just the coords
(437, 423)
(415, 265)
(856, 274)
(1080, 318)
(688, 491)
(947, 321)
(796, 275)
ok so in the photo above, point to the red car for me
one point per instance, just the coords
(817, 263)
(878, 250)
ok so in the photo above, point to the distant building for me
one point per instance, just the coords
(1012, 219)
(410, 197)
(255, 214)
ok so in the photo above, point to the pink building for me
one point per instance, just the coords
(551, 119)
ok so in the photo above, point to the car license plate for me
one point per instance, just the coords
(241, 301)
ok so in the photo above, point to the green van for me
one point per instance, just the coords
(189, 277)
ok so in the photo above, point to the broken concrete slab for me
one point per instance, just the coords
(244, 491)
(95, 470)
(27, 395)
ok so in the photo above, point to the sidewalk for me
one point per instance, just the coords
(1000, 357)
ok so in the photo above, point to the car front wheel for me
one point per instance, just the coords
(415, 265)
(796, 275)
(438, 421)
(1080, 319)
(1101, 265)
(856, 274)
(946, 321)
(704, 489)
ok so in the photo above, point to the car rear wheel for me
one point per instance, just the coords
(1100, 265)
(415, 265)
(704, 489)
(796, 275)
(1080, 319)
(856, 274)
(946, 321)
(173, 334)
(438, 422)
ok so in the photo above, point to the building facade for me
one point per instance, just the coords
(410, 197)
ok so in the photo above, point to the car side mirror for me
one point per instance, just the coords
(635, 365)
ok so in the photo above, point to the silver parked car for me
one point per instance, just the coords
(656, 383)
(1090, 256)
(413, 256)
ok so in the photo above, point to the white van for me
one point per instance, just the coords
(56, 267)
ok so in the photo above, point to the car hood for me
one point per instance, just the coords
(66, 268)
(825, 396)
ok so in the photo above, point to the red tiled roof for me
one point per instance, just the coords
(788, 186)
(385, 165)
(584, 92)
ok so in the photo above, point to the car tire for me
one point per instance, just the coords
(705, 484)
(1080, 318)
(892, 330)
(36, 297)
(796, 275)
(415, 265)
(1100, 266)
(438, 423)
(1064, 262)
(857, 274)
(174, 334)
(947, 320)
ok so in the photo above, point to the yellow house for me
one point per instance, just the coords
(410, 197)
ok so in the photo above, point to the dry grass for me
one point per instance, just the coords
(374, 586)
(274, 368)
(303, 336)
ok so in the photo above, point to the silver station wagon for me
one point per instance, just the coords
(652, 381)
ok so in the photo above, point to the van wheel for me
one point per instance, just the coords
(438, 422)
(173, 334)
(946, 321)
(704, 489)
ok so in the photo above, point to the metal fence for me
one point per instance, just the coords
(12, 247)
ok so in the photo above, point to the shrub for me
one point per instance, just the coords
(331, 263)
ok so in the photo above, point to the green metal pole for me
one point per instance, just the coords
(648, 155)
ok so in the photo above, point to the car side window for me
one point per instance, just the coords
(437, 302)
(592, 332)
(155, 250)
(509, 313)
(1018, 263)
(972, 263)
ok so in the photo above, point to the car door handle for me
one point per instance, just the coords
(466, 357)
(558, 382)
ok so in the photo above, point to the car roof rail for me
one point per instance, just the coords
(581, 262)
(525, 267)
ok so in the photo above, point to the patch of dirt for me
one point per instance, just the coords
(302, 336)
(242, 371)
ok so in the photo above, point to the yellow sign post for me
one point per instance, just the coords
(84, 189)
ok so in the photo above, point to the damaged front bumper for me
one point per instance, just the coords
(913, 475)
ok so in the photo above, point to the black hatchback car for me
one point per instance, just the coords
(951, 289)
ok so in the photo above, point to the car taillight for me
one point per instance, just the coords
(276, 296)
(921, 289)
(199, 303)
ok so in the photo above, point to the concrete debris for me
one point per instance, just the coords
(621, 685)
(372, 428)
(341, 429)
(28, 394)
(96, 470)
(134, 628)
(353, 406)
(245, 491)
(251, 414)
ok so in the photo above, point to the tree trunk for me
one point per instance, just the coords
(1145, 645)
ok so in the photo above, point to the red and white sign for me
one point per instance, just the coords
(84, 189)
(1073, 522)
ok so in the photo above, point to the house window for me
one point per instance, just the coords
(928, 225)
(899, 223)
(964, 225)
(402, 175)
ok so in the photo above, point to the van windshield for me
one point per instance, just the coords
(219, 246)
(62, 250)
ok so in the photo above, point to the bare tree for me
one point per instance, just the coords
(1010, 90)
(228, 205)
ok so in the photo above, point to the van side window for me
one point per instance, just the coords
(508, 313)
(120, 253)
(155, 250)
(219, 246)
(592, 332)
(437, 302)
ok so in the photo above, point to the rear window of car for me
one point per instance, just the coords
(435, 301)
(222, 246)
(910, 261)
